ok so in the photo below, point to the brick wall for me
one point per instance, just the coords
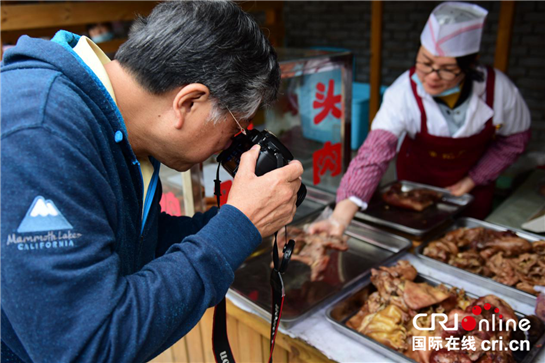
(347, 25)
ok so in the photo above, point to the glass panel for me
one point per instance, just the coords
(173, 200)
(307, 119)
(311, 117)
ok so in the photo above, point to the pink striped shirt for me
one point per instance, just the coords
(368, 167)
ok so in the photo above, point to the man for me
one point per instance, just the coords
(91, 270)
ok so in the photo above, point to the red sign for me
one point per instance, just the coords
(327, 158)
(170, 204)
(329, 104)
(225, 187)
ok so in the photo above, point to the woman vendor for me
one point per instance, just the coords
(459, 124)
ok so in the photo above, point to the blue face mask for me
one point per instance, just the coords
(447, 92)
(104, 37)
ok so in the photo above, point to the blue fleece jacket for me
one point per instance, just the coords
(81, 279)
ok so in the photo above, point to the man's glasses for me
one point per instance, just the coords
(242, 129)
(444, 74)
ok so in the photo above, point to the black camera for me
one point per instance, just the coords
(273, 155)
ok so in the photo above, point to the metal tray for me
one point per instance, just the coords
(339, 313)
(368, 248)
(412, 222)
(315, 200)
(506, 290)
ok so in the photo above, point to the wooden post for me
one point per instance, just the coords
(376, 58)
(505, 32)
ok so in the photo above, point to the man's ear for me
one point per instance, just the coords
(188, 100)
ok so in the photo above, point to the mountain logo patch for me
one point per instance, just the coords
(43, 215)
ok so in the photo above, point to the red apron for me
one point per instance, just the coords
(444, 161)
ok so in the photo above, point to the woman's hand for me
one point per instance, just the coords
(338, 221)
(462, 187)
(330, 226)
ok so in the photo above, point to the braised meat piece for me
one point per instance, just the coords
(311, 249)
(503, 270)
(524, 263)
(387, 317)
(539, 247)
(418, 296)
(441, 250)
(464, 237)
(504, 308)
(446, 356)
(415, 199)
(497, 357)
(402, 269)
(469, 260)
(386, 284)
(386, 327)
(509, 245)
(500, 255)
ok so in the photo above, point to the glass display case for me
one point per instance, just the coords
(312, 117)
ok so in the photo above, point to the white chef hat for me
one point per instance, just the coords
(454, 29)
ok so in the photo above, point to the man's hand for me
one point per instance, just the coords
(462, 187)
(268, 200)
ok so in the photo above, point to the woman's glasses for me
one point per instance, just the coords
(444, 74)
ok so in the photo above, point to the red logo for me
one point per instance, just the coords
(469, 323)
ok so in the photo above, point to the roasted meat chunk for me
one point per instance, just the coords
(418, 296)
(389, 316)
(415, 199)
(509, 245)
(441, 250)
(500, 255)
(312, 249)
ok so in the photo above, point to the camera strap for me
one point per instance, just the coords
(220, 341)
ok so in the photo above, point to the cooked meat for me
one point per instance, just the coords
(469, 260)
(385, 327)
(401, 269)
(446, 356)
(524, 262)
(355, 321)
(502, 269)
(441, 250)
(313, 255)
(496, 357)
(500, 255)
(375, 302)
(452, 316)
(463, 237)
(539, 247)
(387, 317)
(416, 199)
(386, 284)
(527, 287)
(495, 302)
(509, 245)
(418, 296)
(311, 249)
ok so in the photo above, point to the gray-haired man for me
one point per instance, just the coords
(91, 270)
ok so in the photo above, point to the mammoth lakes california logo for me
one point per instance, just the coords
(43, 227)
